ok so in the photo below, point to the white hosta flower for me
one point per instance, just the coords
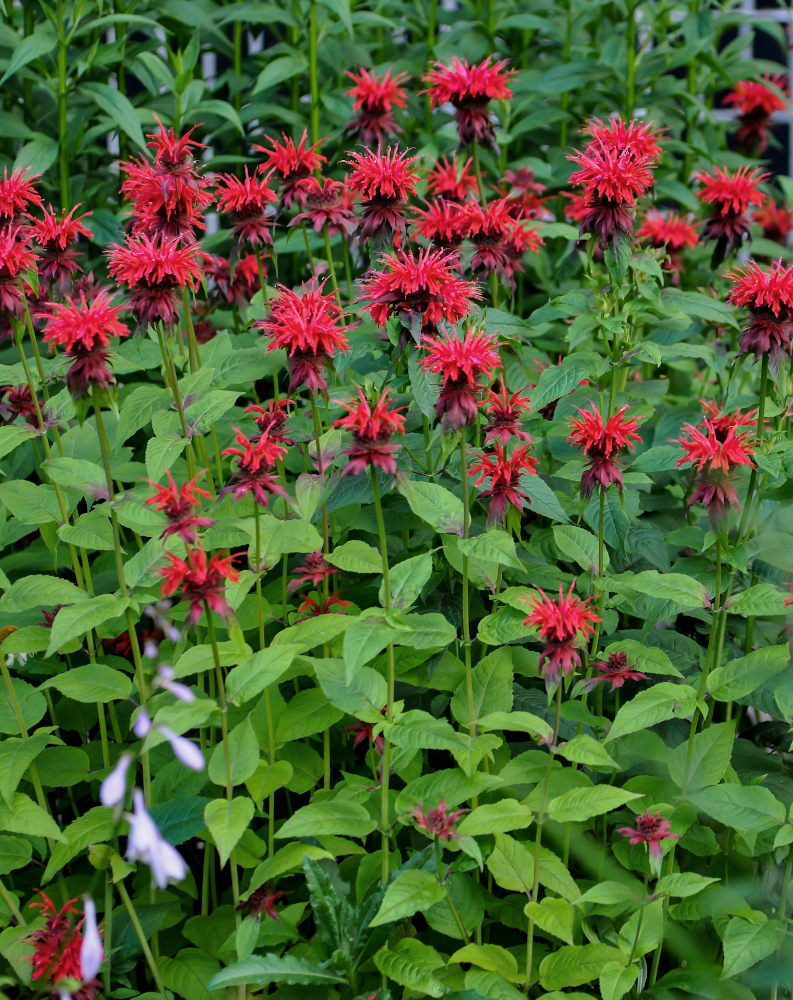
(114, 787)
(142, 724)
(186, 751)
(147, 844)
(165, 680)
(91, 951)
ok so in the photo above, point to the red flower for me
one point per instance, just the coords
(371, 428)
(364, 733)
(309, 327)
(523, 193)
(315, 608)
(610, 175)
(470, 89)
(17, 193)
(730, 194)
(452, 179)
(668, 230)
(271, 421)
(57, 946)
(375, 97)
(313, 571)
(177, 504)
(200, 581)
(776, 221)
(504, 412)
(55, 238)
(505, 472)
(254, 464)
(262, 900)
(443, 223)
(155, 271)
(438, 822)
(18, 402)
(237, 288)
(16, 257)
(600, 442)
(85, 329)
(615, 670)
(650, 829)
(292, 163)
(463, 363)
(383, 181)
(640, 139)
(769, 296)
(247, 201)
(560, 623)
(500, 241)
(422, 289)
(756, 102)
(326, 204)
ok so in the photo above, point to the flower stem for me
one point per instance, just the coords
(313, 73)
(169, 374)
(317, 435)
(454, 912)
(194, 356)
(630, 76)
(331, 265)
(63, 131)
(144, 944)
(753, 474)
(469, 678)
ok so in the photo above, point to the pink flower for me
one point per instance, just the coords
(650, 829)
(438, 822)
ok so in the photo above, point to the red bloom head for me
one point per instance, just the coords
(769, 296)
(776, 221)
(591, 434)
(560, 623)
(55, 237)
(463, 361)
(371, 428)
(374, 98)
(500, 241)
(438, 822)
(504, 413)
(292, 163)
(57, 949)
(17, 193)
(755, 97)
(504, 472)
(452, 180)
(650, 829)
(731, 193)
(670, 230)
(443, 223)
(383, 181)
(255, 461)
(470, 89)
(608, 174)
(421, 288)
(155, 271)
(313, 571)
(247, 200)
(201, 580)
(177, 504)
(16, 257)
(639, 139)
(262, 900)
(615, 670)
(271, 420)
(315, 608)
(171, 154)
(239, 287)
(326, 203)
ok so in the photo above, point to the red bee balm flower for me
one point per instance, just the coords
(375, 97)
(177, 504)
(500, 241)
(247, 201)
(17, 193)
(600, 442)
(756, 102)
(615, 670)
(85, 329)
(776, 221)
(16, 257)
(452, 180)
(422, 289)
(254, 464)
(383, 182)
(155, 272)
(470, 89)
(326, 204)
(371, 428)
(292, 163)
(271, 420)
(201, 581)
(313, 571)
(443, 223)
(671, 232)
(769, 296)
(262, 900)
(559, 623)
(504, 413)
(504, 472)
(730, 194)
(438, 822)
(240, 288)
(463, 363)
(308, 326)
(650, 829)
(55, 238)
(316, 608)
(638, 138)
(57, 948)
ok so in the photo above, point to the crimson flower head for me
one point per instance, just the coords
(776, 221)
(730, 194)
(504, 472)
(246, 201)
(442, 222)
(200, 580)
(308, 325)
(614, 670)
(470, 89)
(313, 571)
(669, 231)
(177, 503)
(237, 287)
(262, 900)
(326, 203)
(601, 441)
(155, 271)
(315, 608)
(452, 179)
(364, 733)
(374, 100)
(57, 948)
(463, 361)
(56, 237)
(16, 258)
(291, 163)
(421, 288)
(17, 401)
(757, 101)
(17, 194)
(499, 240)
(769, 296)
(271, 419)
(85, 330)
(255, 462)
(383, 181)
(716, 448)
(438, 822)
(503, 411)
(523, 194)
(372, 428)
(639, 138)
(650, 829)
(560, 623)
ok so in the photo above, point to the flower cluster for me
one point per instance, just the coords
(372, 428)
(560, 622)
(669, 231)
(464, 362)
(470, 89)
(756, 101)
(729, 193)
(383, 182)
(374, 100)
(768, 294)
(66, 953)
(602, 441)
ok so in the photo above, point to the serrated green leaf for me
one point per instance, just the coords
(411, 892)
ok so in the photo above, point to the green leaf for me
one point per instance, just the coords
(31, 702)
(558, 380)
(73, 622)
(496, 817)
(411, 964)
(226, 822)
(306, 714)
(198, 659)
(573, 965)
(491, 957)
(586, 750)
(543, 499)
(749, 809)
(340, 817)
(362, 694)
(411, 892)
(243, 756)
(364, 639)
(78, 474)
(425, 390)
(491, 688)
(580, 546)
(15, 853)
(37, 591)
(161, 453)
(259, 672)
(407, 580)
(746, 944)
(554, 916)
(745, 674)
(118, 108)
(647, 659)
(94, 827)
(92, 682)
(517, 722)
(277, 71)
(701, 306)
(14, 435)
(91, 531)
(312, 632)
(15, 758)
(31, 503)
(616, 256)
(762, 599)
(35, 46)
(258, 971)
(710, 757)
(682, 590)
(579, 804)
(418, 730)
(434, 504)
(188, 973)
(683, 884)
(24, 816)
(493, 546)
(138, 408)
(656, 704)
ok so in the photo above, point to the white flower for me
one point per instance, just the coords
(147, 844)
(91, 951)
(185, 751)
(142, 724)
(114, 787)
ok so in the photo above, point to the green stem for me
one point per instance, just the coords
(709, 656)
(453, 909)
(63, 130)
(172, 382)
(313, 73)
(144, 944)
(630, 75)
(329, 255)
(753, 474)
(11, 903)
(194, 355)
(469, 677)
